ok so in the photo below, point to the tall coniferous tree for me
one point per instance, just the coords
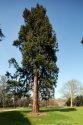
(38, 45)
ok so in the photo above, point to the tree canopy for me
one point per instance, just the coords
(38, 45)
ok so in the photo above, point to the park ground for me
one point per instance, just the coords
(49, 116)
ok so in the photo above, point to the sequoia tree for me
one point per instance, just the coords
(38, 45)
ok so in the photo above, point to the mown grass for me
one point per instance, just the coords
(49, 116)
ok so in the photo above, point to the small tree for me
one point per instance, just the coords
(46, 92)
(38, 45)
(16, 88)
(78, 101)
(70, 90)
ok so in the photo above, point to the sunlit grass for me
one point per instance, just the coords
(49, 116)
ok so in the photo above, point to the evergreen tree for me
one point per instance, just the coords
(78, 101)
(46, 91)
(38, 45)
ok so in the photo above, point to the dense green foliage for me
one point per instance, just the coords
(13, 93)
(38, 45)
(77, 101)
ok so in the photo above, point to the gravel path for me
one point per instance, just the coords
(7, 110)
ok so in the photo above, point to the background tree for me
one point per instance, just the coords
(18, 90)
(46, 92)
(70, 90)
(38, 45)
(78, 101)
(3, 86)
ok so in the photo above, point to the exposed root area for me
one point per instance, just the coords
(37, 114)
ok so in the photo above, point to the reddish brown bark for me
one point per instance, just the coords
(35, 108)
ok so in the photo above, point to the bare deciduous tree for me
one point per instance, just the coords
(71, 89)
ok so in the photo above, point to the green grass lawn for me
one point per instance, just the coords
(49, 116)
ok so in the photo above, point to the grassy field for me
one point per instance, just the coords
(49, 116)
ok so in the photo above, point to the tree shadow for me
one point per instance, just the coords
(60, 109)
(67, 109)
(13, 118)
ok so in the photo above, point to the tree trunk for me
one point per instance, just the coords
(46, 103)
(35, 93)
(71, 101)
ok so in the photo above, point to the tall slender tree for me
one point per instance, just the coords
(38, 45)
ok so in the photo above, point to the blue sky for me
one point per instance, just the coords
(66, 17)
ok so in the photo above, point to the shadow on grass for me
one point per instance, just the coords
(13, 118)
(68, 109)
(58, 109)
